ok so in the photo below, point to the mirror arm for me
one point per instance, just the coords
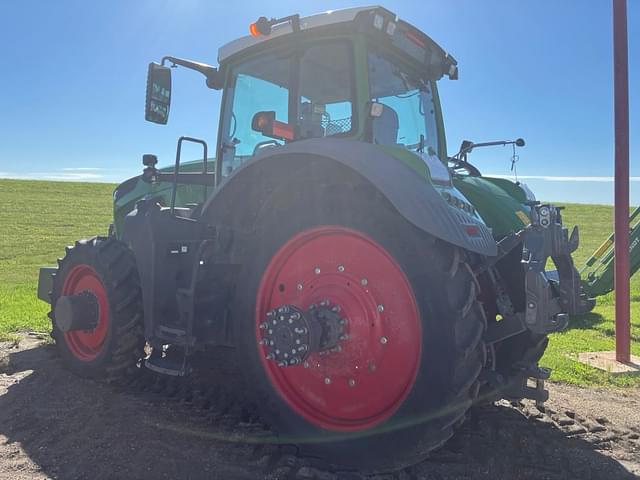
(211, 73)
(519, 142)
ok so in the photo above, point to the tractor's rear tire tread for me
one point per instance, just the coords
(116, 266)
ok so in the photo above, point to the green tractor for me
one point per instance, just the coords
(367, 287)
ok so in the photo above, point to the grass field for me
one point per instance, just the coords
(38, 219)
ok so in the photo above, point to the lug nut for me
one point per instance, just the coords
(340, 268)
(364, 282)
(282, 364)
(271, 356)
(343, 337)
(316, 270)
(381, 308)
(327, 380)
(305, 364)
(263, 325)
(271, 313)
(372, 367)
(299, 286)
(352, 382)
(384, 340)
(335, 308)
(342, 321)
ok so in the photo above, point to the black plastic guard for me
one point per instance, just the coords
(413, 197)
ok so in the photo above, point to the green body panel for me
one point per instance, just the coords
(498, 202)
(185, 193)
(408, 158)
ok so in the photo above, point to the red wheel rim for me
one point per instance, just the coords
(368, 379)
(87, 344)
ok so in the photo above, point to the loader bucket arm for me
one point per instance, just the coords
(597, 272)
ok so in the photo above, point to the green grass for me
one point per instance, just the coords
(38, 219)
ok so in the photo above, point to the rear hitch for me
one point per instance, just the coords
(549, 303)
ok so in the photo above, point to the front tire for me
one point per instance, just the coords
(433, 312)
(104, 267)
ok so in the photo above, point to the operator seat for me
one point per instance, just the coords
(385, 127)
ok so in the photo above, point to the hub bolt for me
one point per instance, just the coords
(341, 268)
(384, 340)
(327, 380)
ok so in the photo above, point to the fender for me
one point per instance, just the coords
(413, 197)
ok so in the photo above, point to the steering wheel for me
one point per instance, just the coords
(265, 143)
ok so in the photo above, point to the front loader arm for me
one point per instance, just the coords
(597, 273)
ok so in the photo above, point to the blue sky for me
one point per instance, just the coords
(73, 79)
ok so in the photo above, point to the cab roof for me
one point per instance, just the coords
(330, 17)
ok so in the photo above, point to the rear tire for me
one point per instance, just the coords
(106, 268)
(451, 319)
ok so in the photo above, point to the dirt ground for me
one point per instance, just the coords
(55, 425)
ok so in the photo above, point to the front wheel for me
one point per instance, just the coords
(96, 310)
(398, 350)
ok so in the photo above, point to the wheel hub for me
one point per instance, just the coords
(77, 312)
(290, 334)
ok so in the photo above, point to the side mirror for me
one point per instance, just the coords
(158, 94)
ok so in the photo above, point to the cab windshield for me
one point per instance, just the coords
(407, 118)
(309, 89)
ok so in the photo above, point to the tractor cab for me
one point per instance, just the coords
(360, 74)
